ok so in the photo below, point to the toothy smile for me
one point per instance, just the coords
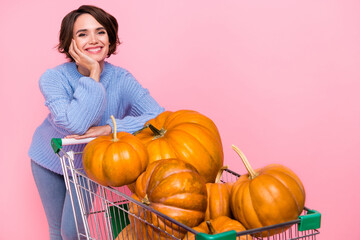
(94, 50)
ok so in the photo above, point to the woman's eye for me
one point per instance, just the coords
(102, 32)
(82, 35)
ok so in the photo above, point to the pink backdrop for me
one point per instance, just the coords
(280, 79)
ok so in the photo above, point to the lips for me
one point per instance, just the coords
(94, 49)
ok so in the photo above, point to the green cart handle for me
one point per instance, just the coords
(58, 143)
(230, 235)
(311, 220)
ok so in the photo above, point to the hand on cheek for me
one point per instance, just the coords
(85, 62)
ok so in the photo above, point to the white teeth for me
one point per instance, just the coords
(94, 49)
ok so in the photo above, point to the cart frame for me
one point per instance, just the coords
(107, 211)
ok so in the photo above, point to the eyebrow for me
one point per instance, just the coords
(84, 30)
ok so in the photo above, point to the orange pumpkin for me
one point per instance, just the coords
(186, 135)
(218, 198)
(219, 225)
(115, 160)
(174, 188)
(267, 196)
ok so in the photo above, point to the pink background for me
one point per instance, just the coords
(280, 79)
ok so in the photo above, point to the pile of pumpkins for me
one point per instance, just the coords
(174, 165)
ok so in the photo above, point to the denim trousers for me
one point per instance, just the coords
(57, 203)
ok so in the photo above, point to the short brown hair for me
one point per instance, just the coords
(105, 19)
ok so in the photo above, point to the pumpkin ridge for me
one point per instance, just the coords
(157, 206)
(164, 202)
(256, 210)
(170, 144)
(291, 192)
(165, 176)
(241, 189)
(136, 151)
(175, 115)
(160, 205)
(202, 127)
(103, 162)
(213, 201)
(297, 180)
(287, 190)
(198, 142)
(168, 174)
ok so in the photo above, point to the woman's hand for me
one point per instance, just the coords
(85, 62)
(93, 132)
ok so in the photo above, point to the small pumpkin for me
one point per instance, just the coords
(266, 196)
(186, 135)
(219, 225)
(115, 160)
(218, 198)
(174, 188)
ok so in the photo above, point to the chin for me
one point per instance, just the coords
(98, 59)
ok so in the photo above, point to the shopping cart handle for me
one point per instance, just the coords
(57, 143)
(311, 220)
(230, 235)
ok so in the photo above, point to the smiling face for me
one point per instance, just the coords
(91, 37)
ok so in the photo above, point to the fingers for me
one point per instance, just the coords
(72, 136)
(73, 51)
(82, 136)
(75, 47)
(93, 132)
(85, 61)
(79, 136)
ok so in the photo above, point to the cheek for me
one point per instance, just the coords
(105, 40)
(80, 44)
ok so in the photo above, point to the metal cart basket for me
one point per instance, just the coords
(111, 213)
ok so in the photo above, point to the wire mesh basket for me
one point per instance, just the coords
(111, 213)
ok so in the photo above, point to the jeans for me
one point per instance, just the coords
(57, 203)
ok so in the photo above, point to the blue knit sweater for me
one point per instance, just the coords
(77, 102)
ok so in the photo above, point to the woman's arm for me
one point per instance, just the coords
(140, 105)
(72, 111)
(93, 132)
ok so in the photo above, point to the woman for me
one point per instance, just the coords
(81, 95)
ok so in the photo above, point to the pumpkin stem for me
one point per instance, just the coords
(115, 139)
(252, 173)
(156, 131)
(140, 130)
(145, 200)
(219, 174)
(211, 228)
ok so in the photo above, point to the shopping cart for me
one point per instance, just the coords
(111, 213)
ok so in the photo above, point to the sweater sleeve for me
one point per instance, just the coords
(72, 111)
(140, 104)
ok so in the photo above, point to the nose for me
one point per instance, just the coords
(93, 39)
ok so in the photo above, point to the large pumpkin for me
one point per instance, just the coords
(115, 160)
(174, 188)
(219, 225)
(186, 135)
(266, 196)
(218, 198)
